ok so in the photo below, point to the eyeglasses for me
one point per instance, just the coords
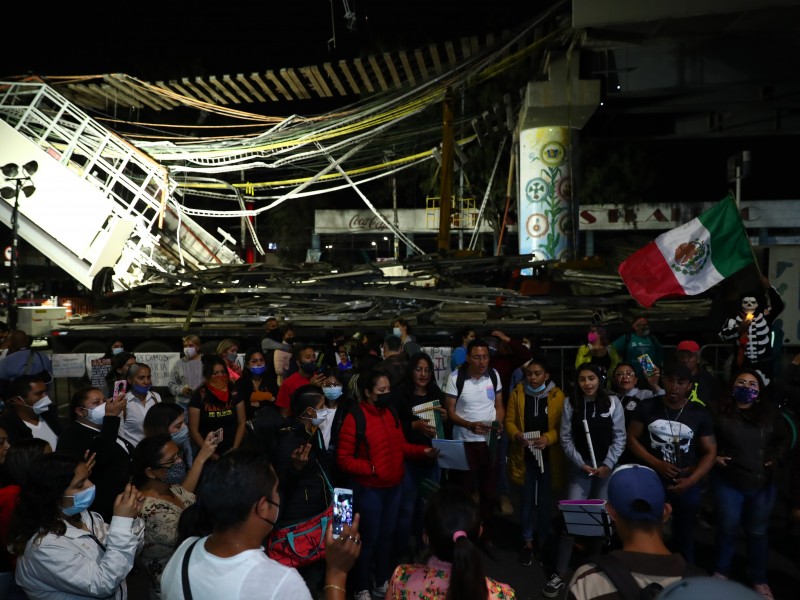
(172, 461)
(745, 383)
(422, 370)
(621, 374)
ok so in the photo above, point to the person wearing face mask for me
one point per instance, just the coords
(160, 474)
(95, 430)
(376, 467)
(229, 350)
(167, 417)
(537, 465)
(332, 389)
(187, 373)
(309, 373)
(138, 400)
(402, 329)
(29, 412)
(256, 390)
(216, 405)
(752, 441)
(64, 550)
(304, 469)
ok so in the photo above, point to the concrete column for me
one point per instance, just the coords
(551, 109)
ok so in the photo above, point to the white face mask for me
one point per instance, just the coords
(96, 414)
(189, 351)
(42, 405)
(397, 332)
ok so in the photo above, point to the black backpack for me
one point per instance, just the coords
(626, 585)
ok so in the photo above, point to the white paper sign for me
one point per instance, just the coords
(441, 363)
(451, 454)
(69, 365)
(160, 364)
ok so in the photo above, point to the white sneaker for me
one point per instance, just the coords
(362, 595)
(379, 591)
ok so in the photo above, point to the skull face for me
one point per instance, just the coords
(670, 437)
(749, 304)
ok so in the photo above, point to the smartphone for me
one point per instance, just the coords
(120, 387)
(647, 364)
(342, 509)
(320, 366)
(218, 435)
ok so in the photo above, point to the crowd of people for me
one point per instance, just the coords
(198, 489)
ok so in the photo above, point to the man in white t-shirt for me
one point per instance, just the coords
(29, 412)
(240, 493)
(472, 410)
(240, 496)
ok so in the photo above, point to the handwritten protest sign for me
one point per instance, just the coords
(69, 365)
(441, 363)
(160, 364)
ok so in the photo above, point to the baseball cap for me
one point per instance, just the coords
(636, 493)
(678, 370)
(689, 346)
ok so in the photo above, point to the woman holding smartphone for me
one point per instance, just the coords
(215, 406)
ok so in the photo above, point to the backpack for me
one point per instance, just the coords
(361, 426)
(626, 585)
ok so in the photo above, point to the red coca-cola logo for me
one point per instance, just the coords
(358, 222)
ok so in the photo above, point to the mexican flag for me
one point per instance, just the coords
(689, 259)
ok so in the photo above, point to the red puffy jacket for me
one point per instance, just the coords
(386, 448)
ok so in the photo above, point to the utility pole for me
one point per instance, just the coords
(446, 186)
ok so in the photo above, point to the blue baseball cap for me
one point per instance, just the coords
(636, 493)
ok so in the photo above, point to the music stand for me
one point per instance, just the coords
(586, 517)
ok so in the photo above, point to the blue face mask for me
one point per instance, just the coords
(745, 395)
(532, 390)
(332, 393)
(117, 350)
(258, 370)
(80, 502)
(140, 389)
(180, 436)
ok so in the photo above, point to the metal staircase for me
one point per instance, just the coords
(98, 199)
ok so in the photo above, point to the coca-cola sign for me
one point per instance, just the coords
(366, 223)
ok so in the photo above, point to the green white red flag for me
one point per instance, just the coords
(689, 259)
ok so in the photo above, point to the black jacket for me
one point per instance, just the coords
(751, 437)
(17, 429)
(113, 455)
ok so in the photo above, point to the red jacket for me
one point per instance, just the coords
(385, 449)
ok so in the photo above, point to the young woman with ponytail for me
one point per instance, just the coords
(454, 569)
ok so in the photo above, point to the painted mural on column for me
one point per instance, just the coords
(545, 193)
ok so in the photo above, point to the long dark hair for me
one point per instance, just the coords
(160, 416)
(432, 390)
(450, 510)
(39, 507)
(602, 401)
(726, 403)
(148, 455)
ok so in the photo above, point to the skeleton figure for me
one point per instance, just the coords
(751, 331)
(672, 438)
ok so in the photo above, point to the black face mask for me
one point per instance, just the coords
(382, 400)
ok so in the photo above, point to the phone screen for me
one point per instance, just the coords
(342, 510)
(120, 386)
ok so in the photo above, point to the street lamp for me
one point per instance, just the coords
(388, 245)
(375, 247)
(21, 183)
